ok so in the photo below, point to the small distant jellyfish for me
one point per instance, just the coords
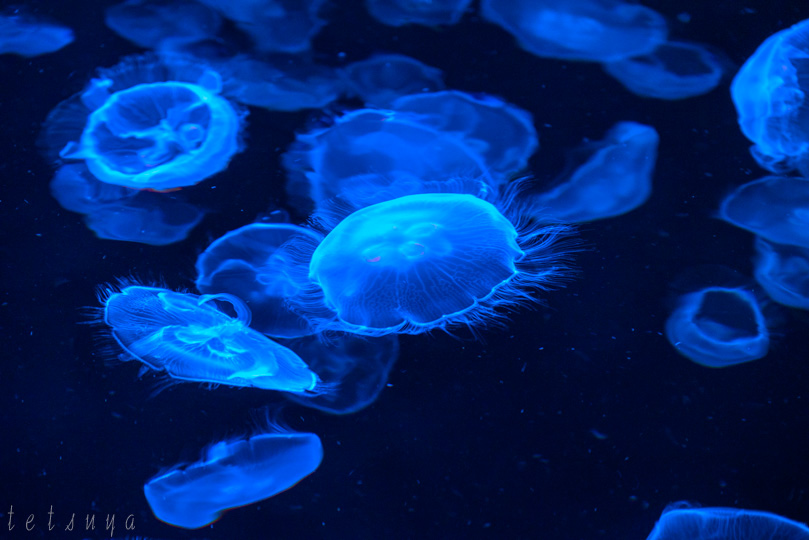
(674, 70)
(614, 178)
(719, 327)
(425, 12)
(775, 208)
(29, 36)
(382, 78)
(191, 339)
(587, 30)
(681, 521)
(769, 93)
(232, 473)
(150, 23)
(783, 272)
(248, 264)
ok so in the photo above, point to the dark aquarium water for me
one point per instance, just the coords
(286, 269)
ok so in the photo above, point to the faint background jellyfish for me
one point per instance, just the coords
(382, 78)
(150, 23)
(428, 13)
(31, 36)
(192, 339)
(774, 207)
(769, 93)
(429, 260)
(674, 70)
(232, 473)
(681, 521)
(248, 264)
(589, 30)
(357, 367)
(783, 272)
(606, 178)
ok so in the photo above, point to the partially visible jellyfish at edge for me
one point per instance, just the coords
(30, 36)
(783, 272)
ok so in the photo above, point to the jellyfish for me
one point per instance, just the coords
(382, 78)
(719, 327)
(674, 70)
(191, 338)
(588, 30)
(770, 99)
(429, 260)
(501, 133)
(783, 272)
(248, 264)
(615, 176)
(428, 13)
(232, 473)
(774, 207)
(148, 123)
(681, 521)
(150, 23)
(29, 36)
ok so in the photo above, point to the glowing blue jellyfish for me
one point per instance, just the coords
(382, 78)
(425, 261)
(248, 264)
(430, 13)
(614, 178)
(680, 521)
(501, 133)
(28, 36)
(719, 327)
(783, 272)
(150, 23)
(232, 473)
(769, 92)
(191, 339)
(774, 207)
(674, 70)
(589, 30)
(357, 368)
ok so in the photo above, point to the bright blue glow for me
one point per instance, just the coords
(248, 264)
(589, 30)
(190, 339)
(382, 78)
(783, 271)
(679, 522)
(357, 367)
(429, 13)
(719, 327)
(774, 207)
(769, 93)
(615, 178)
(232, 473)
(501, 133)
(150, 23)
(674, 70)
(27, 36)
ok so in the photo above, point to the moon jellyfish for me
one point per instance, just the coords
(382, 78)
(680, 521)
(248, 264)
(674, 70)
(430, 13)
(783, 272)
(28, 36)
(150, 23)
(431, 260)
(356, 366)
(232, 473)
(589, 30)
(774, 207)
(719, 327)
(769, 92)
(192, 339)
(615, 176)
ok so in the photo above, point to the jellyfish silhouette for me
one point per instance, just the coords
(192, 339)
(681, 521)
(382, 78)
(783, 272)
(232, 473)
(150, 23)
(432, 13)
(424, 261)
(30, 36)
